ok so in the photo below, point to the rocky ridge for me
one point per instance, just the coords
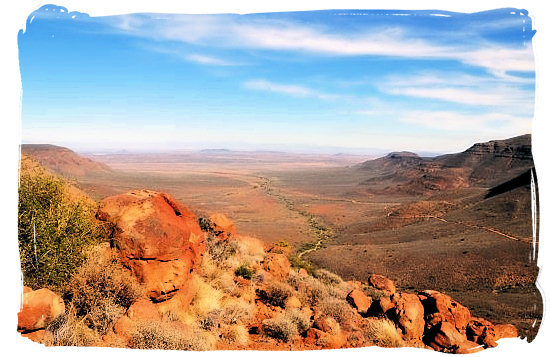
(223, 290)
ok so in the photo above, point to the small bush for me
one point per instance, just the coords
(69, 330)
(245, 271)
(383, 333)
(328, 278)
(299, 263)
(237, 311)
(102, 289)
(299, 318)
(310, 290)
(280, 328)
(275, 293)
(56, 225)
(205, 224)
(167, 336)
(235, 334)
(337, 309)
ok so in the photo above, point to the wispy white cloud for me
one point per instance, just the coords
(208, 60)
(227, 32)
(510, 94)
(483, 124)
(288, 89)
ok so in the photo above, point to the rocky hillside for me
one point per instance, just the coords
(484, 164)
(62, 160)
(169, 280)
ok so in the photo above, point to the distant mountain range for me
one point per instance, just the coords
(483, 164)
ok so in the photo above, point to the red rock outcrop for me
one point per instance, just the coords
(442, 308)
(382, 283)
(222, 226)
(40, 307)
(409, 315)
(359, 300)
(277, 265)
(157, 238)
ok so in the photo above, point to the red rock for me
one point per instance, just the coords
(359, 300)
(222, 226)
(26, 289)
(40, 307)
(302, 272)
(277, 265)
(481, 332)
(505, 331)
(446, 309)
(409, 315)
(157, 238)
(445, 338)
(386, 304)
(382, 283)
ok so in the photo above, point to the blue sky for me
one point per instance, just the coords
(353, 81)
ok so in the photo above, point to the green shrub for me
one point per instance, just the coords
(298, 263)
(245, 271)
(54, 228)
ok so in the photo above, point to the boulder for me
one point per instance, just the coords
(468, 347)
(381, 283)
(442, 308)
(157, 238)
(505, 331)
(444, 337)
(222, 227)
(277, 265)
(409, 315)
(39, 308)
(359, 300)
(481, 332)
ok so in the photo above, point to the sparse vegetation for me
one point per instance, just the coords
(383, 333)
(244, 271)
(102, 290)
(169, 336)
(275, 293)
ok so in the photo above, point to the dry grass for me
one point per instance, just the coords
(310, 290)
(234, 334)
(280, 328)
(383, 333)
(168, 336)
(275, 293)
(69, 330)
(102, 289)
(338, 309)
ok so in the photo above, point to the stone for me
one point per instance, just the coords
(445, 338)
(505, 331)
(481, 332)
(277, 265)
(156, 237)
(39, 308)
(382, 283)
(222, 227)
(409, 315)
(360, 301)
(446, 309)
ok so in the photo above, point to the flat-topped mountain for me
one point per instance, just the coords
(483, 164)
(62, 160)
